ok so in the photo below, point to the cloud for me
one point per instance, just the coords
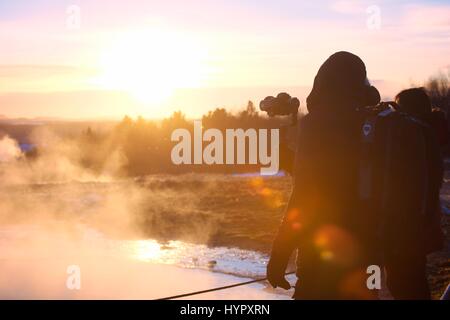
(9, 70)
(69, 104)
(43, 78)
(428, 24)
(348, 7)
(427, 17)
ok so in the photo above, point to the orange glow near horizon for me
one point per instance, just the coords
(152, 58)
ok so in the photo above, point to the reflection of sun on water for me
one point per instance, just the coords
(152, 64)
(146, 250)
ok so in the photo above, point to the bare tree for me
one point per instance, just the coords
(438, 88)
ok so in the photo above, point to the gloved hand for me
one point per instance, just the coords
(276, 275)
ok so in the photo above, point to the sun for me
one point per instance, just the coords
(152, 64)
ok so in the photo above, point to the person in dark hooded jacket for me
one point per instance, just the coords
(337, 233)
(408, 274)
(416, 102)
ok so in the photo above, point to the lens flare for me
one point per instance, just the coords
(271, 198)
(337, 245)
(353, 286)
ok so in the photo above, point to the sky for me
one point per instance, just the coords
(106, 59)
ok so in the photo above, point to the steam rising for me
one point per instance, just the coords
(59, 161)
(9, 150)
(55, 213)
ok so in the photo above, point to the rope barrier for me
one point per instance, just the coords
(217, 289)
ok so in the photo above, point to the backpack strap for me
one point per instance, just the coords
(387, 157)
(367, 159)
(365, 167)
(425, 160)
